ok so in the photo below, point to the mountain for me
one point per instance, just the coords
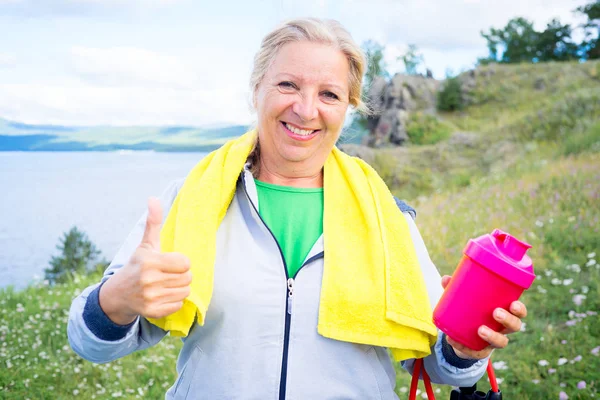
(18, 136)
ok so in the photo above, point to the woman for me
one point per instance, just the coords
(285, 265)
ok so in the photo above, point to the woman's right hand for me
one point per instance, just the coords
(152, 284)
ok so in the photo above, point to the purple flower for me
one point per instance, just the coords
(596, 350)
(571, 322)
(581, 385)
(551, 371)
(563, 396)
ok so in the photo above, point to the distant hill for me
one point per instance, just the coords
(17, 136)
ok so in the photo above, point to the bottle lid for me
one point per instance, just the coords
(503, 254)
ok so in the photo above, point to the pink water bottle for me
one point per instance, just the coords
(493, 272)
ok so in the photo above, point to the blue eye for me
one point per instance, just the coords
(287, 85)
(331, 95)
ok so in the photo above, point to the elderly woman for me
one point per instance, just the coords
(287, 266)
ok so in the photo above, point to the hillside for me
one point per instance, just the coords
(514, 111)
(16, 136)
(523, 157)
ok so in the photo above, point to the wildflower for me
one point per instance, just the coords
(567, 282)
(562, 361)
(523, 327)
(551, 370)
(581, 385)
(539, 223)
(595, 350)
(563, 342)
(585, 289)
(591, 255)
(556, 281)
(563, 396)
(571, 322)
(590, 263)
(548, 272)
(574, 267)
(535, 381)
(578, 299)
(541, 289)
(500, 365)
(543, 363)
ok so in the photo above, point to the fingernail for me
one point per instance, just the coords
(500, 314)
(484, 331)
(516, 307)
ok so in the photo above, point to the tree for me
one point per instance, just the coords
(78, 253)
(450, 97)
(555, 44)
(376, 66)
(590, 47)
(516, 42)
(412, 59)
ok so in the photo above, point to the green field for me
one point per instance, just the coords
(532, 168)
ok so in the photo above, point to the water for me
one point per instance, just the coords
(102, 193)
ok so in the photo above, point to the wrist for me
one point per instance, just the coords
(112, 305)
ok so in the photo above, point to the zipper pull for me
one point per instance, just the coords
(290, 285)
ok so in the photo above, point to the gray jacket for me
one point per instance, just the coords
(258, 342)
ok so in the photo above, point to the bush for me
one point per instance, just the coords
(78, 255)
(450, 97)
(582, 142)
(426, 129)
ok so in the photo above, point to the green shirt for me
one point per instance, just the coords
(295, 216)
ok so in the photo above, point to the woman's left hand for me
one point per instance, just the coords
(497, 340)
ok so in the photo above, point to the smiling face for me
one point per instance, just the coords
(301, 104)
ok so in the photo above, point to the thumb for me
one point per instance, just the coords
(151, 237)
(446, 280)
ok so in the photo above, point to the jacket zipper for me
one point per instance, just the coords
(289, 296)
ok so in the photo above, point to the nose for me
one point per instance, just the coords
(305, 107)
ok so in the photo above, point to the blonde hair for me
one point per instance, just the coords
(325, 31)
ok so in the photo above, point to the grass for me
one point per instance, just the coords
(543, 188)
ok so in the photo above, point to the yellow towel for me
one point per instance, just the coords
(372, 292)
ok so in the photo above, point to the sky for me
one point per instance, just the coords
(188, 62)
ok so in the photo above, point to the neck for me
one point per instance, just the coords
(294, 175)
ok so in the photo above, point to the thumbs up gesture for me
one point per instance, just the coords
(152, 284)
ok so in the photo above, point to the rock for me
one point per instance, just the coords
(540, 84)
(393, 101)
(464, 139)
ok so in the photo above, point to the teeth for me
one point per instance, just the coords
(297, 131)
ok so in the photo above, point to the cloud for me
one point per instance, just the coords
(7, 60)
(130, 66)
(454, 24)
(36, 8)
(74, 103)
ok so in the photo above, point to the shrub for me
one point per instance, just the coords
(78, 255)
(426, 129)
(450, 97)
(581, 142)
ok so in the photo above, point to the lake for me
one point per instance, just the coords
(102, 193)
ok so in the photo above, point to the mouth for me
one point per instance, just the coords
(298, 133)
